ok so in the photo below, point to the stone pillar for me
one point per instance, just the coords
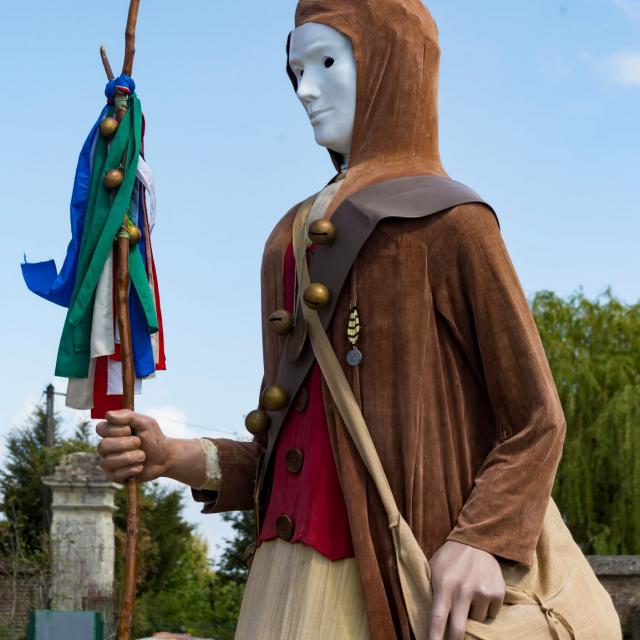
(82, 533)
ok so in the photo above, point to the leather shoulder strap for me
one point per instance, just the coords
(357, 217)
(413, 567)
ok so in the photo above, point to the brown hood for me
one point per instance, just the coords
(395, 43)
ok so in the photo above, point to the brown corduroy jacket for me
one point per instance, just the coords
(454, 386)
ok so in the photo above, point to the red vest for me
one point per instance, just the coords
(306, 503)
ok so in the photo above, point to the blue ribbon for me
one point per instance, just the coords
(42, 277)
(143, 360)
(121, 81)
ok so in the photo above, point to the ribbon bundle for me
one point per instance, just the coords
(89, 351)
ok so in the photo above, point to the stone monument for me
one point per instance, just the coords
(82, 532)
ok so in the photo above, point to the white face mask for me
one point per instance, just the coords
(322, 60)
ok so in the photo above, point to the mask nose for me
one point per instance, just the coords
(308, 90)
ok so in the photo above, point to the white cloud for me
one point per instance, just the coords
(16, 420)
(630, 7)
(20, 416)
(624, 68)
(71, 418)
(172, 420)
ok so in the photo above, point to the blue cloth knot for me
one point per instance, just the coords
(121, 81)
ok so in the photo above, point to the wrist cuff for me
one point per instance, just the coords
(212, 466)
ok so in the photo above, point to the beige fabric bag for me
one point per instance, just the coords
(559, 597)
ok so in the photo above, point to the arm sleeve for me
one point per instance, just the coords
(236, 471)
(478, 294)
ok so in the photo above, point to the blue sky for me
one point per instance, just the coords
(539, 113)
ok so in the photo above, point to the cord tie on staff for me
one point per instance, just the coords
(123, 85)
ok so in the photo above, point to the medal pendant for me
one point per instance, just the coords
(354, 357)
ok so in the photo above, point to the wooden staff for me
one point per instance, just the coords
(130, 37)
(106, 64)
(125, 621)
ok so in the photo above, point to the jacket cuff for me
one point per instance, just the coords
(236, 470)
(212, 466)
(511, 551)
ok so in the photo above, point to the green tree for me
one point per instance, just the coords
(178, 588)
(164, 539)
(174, 577)
(163, 534)
(233, 561)
(593, 347)
(227, 598)
(24, 498)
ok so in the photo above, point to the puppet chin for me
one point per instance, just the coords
(332, 137)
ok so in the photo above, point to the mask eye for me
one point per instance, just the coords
(328, 62)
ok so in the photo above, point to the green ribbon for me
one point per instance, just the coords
(103, 219)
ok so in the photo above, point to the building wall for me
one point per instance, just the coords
(22, 589)
(620, 576)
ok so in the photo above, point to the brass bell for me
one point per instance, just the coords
(275, 397)
(134, 234)
(108, 127)
(281, 322)
(113, 178)
(316, 296)
(322, 231)
(257, 422)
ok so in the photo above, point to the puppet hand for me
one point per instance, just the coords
(467, 583)
(143, 455)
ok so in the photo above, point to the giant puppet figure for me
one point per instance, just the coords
(438, 356)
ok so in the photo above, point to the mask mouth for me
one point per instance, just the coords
(314, 115)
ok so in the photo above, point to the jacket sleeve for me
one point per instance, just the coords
(478, 294)
(238, 466)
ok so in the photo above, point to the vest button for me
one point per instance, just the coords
(285, 527)
(301, 401)
(257, 422)
(281, 322)
(294, 460)
(322, 231)
(316, 296)
(275, 397)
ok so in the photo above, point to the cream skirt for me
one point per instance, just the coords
(295, 593)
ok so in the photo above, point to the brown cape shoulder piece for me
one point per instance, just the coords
(354, 221)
